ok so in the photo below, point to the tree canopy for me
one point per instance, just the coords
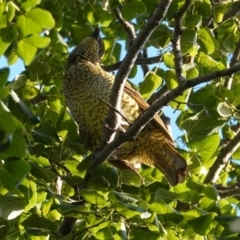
(43, 194)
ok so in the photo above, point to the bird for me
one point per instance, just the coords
(85, 82)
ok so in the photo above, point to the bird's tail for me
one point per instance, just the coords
(171, 164)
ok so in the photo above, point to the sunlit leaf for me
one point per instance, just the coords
(11, 207)
(150, 83)
(207, 41)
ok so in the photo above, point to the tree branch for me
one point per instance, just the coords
(229, 191)
(129, 28)
(139, 61)
(161, 92)
(120, 79)
(147, 116)
(177, 39)
(223, 158)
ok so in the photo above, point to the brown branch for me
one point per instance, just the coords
(161, 92)
(223, 158)
(139, 61)
(193, 105)
(177, 39)
(109, 105)
(129, 28)
(228, 191)
(120, 79)
(147, 115)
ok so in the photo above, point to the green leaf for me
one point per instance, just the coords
(150, 83)
(165, 195)
(205, 147)
(191, 20)
(84, 29)
(208, 43)
(161, 36)
(43, 173)
(137, 7)
(93, 197)
(108, 172)
(17, 148)
(42, 138)
(5, 227)
(203, 224)
(129, 210)
(211, 192)
(11, 207)
(168, 59)
(182, 99)
(35, 21)
(129, 177)
(3, 15)
(8, 124)
(115, 196)
(229, 42)
(29, 4)
(171, 79)
(205, 8)
(103, 17)
(206, 61)
(219, 11)
(224, 110)
(42, 17)
(4, 73)
(188, 40)
(38, 225)
(160, 208)
(29, 189)
(192, 73)
(27, 47)
(10, 11)
(7, 36)
(200, 125)
(13, 173)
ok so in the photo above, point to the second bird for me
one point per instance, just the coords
(85, 82)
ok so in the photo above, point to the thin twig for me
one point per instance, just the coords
(109, 105)
(129, 28)
(193, 105)
(176, 40)
(161, 92)
(139, 61)
(226, 191)
(223, 158)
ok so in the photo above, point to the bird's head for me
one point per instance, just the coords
(91, 48)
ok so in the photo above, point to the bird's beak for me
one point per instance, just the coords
(97, 37)
(96, 34)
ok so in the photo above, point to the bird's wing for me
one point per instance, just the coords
(144, 105)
